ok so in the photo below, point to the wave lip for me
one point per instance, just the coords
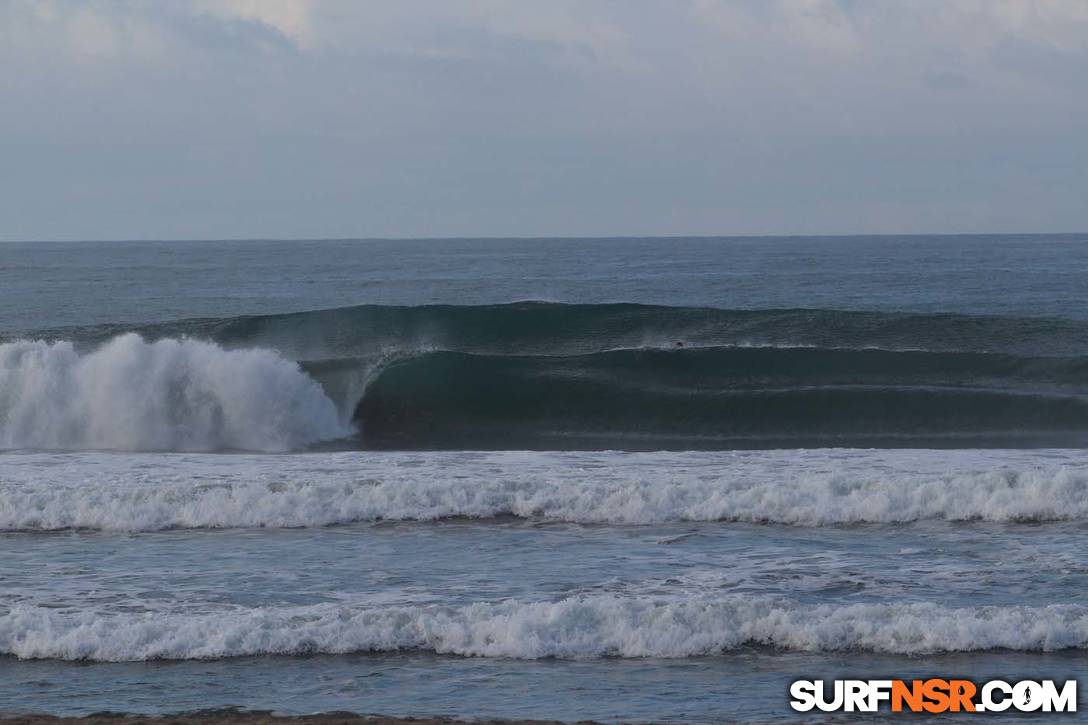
(177, 395)
(627, 489)
(545, 328)
(575, 628)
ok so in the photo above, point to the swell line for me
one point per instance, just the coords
(551, 376)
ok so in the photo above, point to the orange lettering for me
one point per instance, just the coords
(936, 691)
(961, 693)
(912, 696)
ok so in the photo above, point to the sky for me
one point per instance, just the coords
(209, 119)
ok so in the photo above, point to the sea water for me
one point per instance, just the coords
(611, 479)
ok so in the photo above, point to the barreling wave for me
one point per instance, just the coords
(580, 627)
(766, 488)
(552, 376)
(185, 395)
(723, 397)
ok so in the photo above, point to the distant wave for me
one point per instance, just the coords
(177, 395)
(574, 628)
(549, 376)
(38, 493)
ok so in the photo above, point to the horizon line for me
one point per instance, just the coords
(607, 237)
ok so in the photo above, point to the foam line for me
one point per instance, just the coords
(148, 493)
(574, 628)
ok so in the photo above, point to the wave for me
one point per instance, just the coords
(537, 375)
(130, 394)
(574, 628)
(552, 328)
(724, 398)
(631, 489)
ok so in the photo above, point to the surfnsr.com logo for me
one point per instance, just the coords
(933, 695)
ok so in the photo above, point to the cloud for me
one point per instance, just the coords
(293, 19)
(402, 117)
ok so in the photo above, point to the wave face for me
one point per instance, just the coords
(724, 398)
(186, 395)
(800, 489)
(576, 628)
(537, 375)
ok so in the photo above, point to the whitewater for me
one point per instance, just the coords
(574, 628)
(152, 492)
(170, 395)
(829, 550)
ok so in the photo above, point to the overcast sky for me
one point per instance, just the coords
(356, 118)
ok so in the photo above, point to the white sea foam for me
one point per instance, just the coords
(179, 395)
(142, 492)
(578, 627)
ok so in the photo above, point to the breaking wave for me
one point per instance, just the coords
(547, 376)
(177, 395)
(723, 398)
(327, 489)
(575, 628)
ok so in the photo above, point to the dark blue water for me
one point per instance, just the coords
(56, 284)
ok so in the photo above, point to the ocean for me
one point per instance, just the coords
(611, 479)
